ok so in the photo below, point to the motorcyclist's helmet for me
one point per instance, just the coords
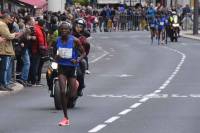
(173, 13)
(80, 22)
(54, 20)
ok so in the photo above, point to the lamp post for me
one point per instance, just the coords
(196, 17)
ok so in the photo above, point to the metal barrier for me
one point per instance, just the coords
(130, 22)
(124, 22)
(187, 22)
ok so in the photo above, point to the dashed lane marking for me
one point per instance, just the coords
(135, 105)
(97, 128)
(126, 111)
(112, 119)
(162, 87)
(147, 97)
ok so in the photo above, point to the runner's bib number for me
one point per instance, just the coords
(162, 23)
(152, 25)
(65, 53)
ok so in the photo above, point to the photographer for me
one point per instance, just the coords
(26, 43)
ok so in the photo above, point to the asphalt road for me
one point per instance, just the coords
(134, 87)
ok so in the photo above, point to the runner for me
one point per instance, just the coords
(66, 49)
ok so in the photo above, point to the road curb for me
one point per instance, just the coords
(16, 88)
(190, 36)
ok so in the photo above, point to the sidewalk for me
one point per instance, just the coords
(16, 88)
(189, 34)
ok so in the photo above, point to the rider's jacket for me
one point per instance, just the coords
(67, 52)
(175, 18)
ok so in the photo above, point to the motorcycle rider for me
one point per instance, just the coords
(66, 50)
(80, 32)
(174, 23)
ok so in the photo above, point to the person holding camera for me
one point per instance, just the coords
(26, 43)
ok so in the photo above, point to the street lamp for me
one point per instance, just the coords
(196, 17)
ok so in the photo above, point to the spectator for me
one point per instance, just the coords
(26, 44)
(6, 51)
(39, 52)
(186, 10)
(43, 47)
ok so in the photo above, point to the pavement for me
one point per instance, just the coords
(189, 34)
(16, 88)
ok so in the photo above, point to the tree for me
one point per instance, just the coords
(82, 2)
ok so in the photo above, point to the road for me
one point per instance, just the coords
(134, 87)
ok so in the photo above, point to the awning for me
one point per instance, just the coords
(35, 3)
(108, 1)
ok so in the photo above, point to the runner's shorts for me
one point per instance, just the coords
(68, 71)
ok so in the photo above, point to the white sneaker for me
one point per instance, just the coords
(87, 72)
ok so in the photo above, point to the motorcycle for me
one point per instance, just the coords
(174, 29)
(54, 88)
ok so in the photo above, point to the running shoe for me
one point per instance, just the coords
(64, 122)
(87, 72)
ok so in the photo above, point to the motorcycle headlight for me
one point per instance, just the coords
(54, 65)
(49, 71)
(175, 25)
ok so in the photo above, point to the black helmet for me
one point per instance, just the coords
(54, 20)
(80, 21)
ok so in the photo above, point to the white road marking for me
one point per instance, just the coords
(125, 75)
(135, 105)
(157, 91)
(113, 96)
(149, 96)
(144, 100)
(179, 96)
(100, 57)
(195, 95)
(162, 87)
(126, 111)
(97, 128)
(112, 119)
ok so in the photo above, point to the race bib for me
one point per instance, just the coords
(65, 53)
(152, 25)
(162, 23)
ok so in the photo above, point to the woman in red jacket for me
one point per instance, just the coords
(39, 52)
